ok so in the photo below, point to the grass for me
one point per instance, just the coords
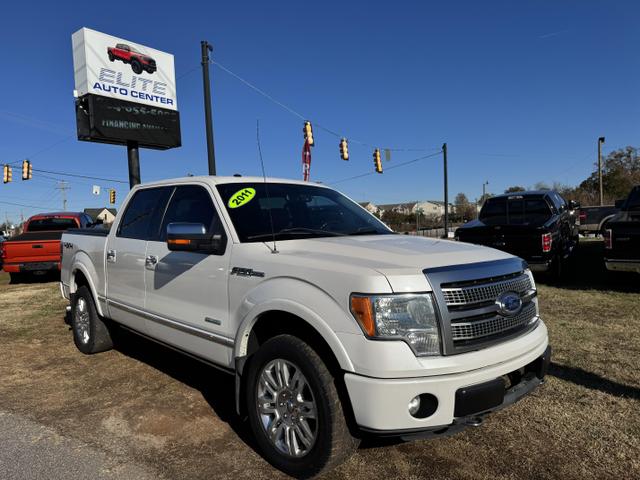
(142, 401)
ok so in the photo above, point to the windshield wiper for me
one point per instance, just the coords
(295, 231)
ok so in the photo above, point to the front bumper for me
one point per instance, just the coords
(381, 405)
(622, 265)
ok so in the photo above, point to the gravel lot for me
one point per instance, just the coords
(142, 411)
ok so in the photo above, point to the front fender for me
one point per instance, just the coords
(309, 303)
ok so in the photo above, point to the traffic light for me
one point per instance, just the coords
(308, 133)
(377, 162)
(27, 170)
(7, 174)
(344, 149)
(112, 197)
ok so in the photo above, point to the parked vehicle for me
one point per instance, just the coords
(538, 226)
(127, 54)
(595, 219)
(622, 236)
(2, 240)
(334, 326)
(37, 250)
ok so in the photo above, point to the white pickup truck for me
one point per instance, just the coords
(335, 327)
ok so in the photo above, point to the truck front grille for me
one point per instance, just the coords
(474, 294)
(483, 326)
(467, 297)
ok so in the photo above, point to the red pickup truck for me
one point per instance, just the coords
(139, 61)
(37, 249)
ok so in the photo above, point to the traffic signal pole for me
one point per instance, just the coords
(446, 192)
(211, 154)
(133, 155)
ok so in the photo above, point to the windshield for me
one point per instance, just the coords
(515, 210)
(51, 224)
(297, 211)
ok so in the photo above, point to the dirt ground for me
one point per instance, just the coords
(176, 416)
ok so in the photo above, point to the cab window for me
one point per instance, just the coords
(143, 210)
(191, 204)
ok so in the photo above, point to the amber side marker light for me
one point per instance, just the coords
(179, 241)
(361, 308)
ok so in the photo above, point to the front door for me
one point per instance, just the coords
(125, 256)
(186, 292)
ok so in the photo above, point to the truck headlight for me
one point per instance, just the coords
(408, 317)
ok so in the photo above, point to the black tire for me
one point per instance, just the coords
(333, 441)
(15, 277)
(136, 66)
(94, 337)
(111, 57)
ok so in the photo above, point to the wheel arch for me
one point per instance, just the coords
(82, 276)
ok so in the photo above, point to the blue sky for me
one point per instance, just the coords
(520, 91)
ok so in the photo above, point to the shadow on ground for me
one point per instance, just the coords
(585, 270)
(593, 381)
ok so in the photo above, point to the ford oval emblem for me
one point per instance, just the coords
(509, 304)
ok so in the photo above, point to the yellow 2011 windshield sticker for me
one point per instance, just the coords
(241, 197)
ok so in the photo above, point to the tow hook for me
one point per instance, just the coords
(473, 421)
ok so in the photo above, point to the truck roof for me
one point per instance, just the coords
(216, 180)
(55, 214)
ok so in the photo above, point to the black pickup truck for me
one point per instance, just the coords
(622, 236)
(538, 226)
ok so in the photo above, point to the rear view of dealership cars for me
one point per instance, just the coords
(334, 327)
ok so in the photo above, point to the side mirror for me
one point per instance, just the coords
(192, 237)
(573, 204)
(620, 203)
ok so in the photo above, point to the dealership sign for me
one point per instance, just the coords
(125, 92)
(117, 68)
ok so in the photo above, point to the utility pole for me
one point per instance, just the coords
(211, 154)
(600, 142)
(133, 157)
(446, 192)
(484, 190)
(63, 187)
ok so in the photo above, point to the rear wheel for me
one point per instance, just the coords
(294, 409)
(111, 57)
(15, 277)
(90, 333)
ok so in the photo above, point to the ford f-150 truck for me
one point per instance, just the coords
(127, 54)
(37, 249)
(622, 236)
(334, 326)
(539, 226)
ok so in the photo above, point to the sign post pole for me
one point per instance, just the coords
(133, 155)
(211, 153)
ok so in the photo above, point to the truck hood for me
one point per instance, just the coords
(390, 253)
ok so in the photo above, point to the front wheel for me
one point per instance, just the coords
(294, 409)
(90, 333)
(136, 66)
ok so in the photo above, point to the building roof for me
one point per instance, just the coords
(94, 212)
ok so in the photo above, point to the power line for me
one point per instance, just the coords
(64, 174)
(398, 165)
(303, 117)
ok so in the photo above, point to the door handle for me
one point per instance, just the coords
(151, 261)
(111, 256)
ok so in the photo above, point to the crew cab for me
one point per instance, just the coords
(538, 226)
(622, 236)
(335, 327)
(37, 249)
(127, 54)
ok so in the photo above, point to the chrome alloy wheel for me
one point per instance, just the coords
(81, 317)
(286, 408)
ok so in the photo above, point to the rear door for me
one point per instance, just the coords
(186, 292)
(125, 255)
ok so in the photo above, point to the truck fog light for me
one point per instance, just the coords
(423, 405)
(414, 406)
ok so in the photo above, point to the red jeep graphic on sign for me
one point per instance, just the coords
(139, 61)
